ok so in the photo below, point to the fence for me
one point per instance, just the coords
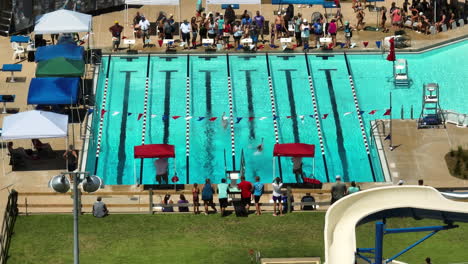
(144, 204)
(9, 218)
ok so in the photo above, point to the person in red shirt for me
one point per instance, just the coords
(246, 192)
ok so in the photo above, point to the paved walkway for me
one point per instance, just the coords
(420, 153)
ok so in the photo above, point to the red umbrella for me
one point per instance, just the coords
(391, 55)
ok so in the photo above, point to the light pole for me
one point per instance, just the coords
(61, 184)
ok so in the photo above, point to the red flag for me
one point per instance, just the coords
(139, 116)
(387, 112)
(103, 112)
(391, 55)
(212, 119)
(365, 43)
(160, 42)
(325, 116)
(251, 118)
(288, 116)
(372, 112)
(175, 117)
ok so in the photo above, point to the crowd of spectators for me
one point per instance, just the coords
(228, 29)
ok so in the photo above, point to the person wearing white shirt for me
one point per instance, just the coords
(277, 185)
(185, 29)
(144, 26)
(161, 165)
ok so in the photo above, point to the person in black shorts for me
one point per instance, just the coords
(246, 192)
(223, 195)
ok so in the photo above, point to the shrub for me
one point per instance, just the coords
(460, 152)
(452, 153)
(457, 169)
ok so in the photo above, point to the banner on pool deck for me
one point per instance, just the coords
(220, 2)
(152, 2)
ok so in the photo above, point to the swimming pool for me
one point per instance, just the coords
(210, 143)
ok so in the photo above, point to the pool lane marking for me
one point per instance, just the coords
(121, 154)
(250, 106)
(167, 104)
(339, 130)
(101, 119)
(292, 104)
(358, 110)
(317, 117)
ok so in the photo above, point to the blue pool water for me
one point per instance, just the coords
(210, 142)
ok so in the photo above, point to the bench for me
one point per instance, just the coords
(12, 68)
(6, 99)
(20, 39)
(234, 6)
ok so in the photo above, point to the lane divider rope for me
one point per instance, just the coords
(361, 123)
(145, 112)
(231, 117)
(273, 109)
(316, 115)
(101, 120)
(187, 117)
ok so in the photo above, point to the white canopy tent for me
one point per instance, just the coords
(34, 124)
(63, 21)
(149, 2)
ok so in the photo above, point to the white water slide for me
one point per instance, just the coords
(343, 216)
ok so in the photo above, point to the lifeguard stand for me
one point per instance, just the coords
(431, 113)
(401, 73)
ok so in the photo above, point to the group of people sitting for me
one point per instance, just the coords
(19, 156)
(419, 15)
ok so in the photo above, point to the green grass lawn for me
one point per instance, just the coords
(182, 238)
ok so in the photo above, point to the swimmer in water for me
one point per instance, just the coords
(224, 120)
(260, 147)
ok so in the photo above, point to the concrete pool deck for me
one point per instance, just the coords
(409, 158)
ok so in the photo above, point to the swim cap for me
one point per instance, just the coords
(116, 22)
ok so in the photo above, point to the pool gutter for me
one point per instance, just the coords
(323, 52)
(88, 134)
(381, 152)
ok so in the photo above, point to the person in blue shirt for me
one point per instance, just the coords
(257, 192)
(207, 196)
(246, 21)
(259, 22)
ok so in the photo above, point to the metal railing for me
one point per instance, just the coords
(9, 219)
(452, 117)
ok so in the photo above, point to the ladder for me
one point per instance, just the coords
(431, 113)
(5, 22)
(6, 17)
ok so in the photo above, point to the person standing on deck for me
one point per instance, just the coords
(338, 190)
(116, 31)
(161, 165)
